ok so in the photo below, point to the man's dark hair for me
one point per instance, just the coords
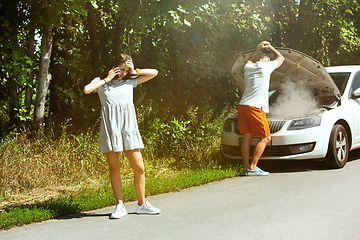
(266, 51)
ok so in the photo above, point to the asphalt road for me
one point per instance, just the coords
(298, 200)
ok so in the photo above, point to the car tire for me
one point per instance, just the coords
(338, 151)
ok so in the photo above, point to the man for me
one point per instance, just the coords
(254, 105)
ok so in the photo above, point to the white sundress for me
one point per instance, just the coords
(118, 130)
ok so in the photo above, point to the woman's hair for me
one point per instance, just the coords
(120, 59)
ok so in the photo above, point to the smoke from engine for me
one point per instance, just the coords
(294, 101)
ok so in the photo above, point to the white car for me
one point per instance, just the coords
(314, 111)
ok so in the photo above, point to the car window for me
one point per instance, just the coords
(340, 80)
(356, 83)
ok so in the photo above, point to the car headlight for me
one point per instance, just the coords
(303, 123)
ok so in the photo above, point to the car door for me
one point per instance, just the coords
(355, 106)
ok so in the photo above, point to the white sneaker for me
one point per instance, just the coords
(147, 208)
(119, 211)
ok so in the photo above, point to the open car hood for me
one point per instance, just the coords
(297, 67)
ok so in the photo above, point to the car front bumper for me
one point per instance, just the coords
(311, 143)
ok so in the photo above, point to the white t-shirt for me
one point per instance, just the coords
(257, 80)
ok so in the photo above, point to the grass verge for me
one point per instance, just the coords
(93, 198)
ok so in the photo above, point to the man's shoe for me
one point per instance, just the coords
(119, 212)
(244, 172)
(147, 208)
(256, 172)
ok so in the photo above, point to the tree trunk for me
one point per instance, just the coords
(44, 77)
(13, 102)
(13, 94)
(57, 107)
(91, 26)
(29, 91)
(122, 23)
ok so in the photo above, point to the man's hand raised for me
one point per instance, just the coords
(263, 44)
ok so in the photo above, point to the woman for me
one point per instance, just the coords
(119, 130)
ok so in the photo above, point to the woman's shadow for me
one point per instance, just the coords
(89, 214)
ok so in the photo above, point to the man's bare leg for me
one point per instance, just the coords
(245, 149)
(258, 151)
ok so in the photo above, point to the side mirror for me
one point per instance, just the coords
(356, 93)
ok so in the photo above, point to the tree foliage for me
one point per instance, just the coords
(191, 42)
(324, 29)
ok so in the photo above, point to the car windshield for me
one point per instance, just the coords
(340, 79)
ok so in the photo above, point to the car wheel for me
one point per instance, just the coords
(338, 151)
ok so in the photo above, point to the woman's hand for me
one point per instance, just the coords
(130, 65)
(89, 88)
(112, 73)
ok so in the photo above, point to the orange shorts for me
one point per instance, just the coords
(253, 120)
